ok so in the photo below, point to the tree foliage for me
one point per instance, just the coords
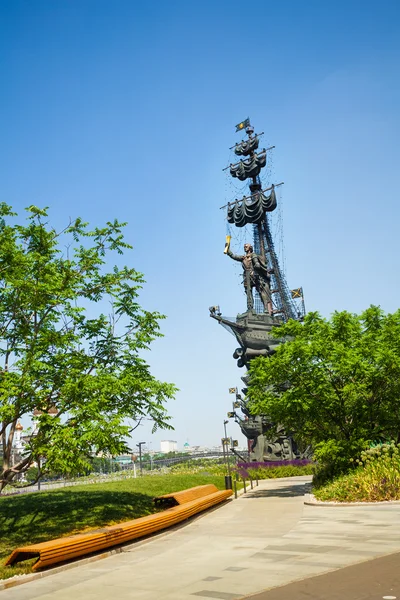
(334, 384)
(72, 338)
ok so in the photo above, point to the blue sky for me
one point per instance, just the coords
(127, 109)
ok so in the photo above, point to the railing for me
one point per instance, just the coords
(251, 481)
(53, 485)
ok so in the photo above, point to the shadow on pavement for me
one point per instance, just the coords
(371, 580)
(288, 491)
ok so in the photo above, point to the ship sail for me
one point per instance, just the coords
(251, 210)
(245, 147)
(250, 167)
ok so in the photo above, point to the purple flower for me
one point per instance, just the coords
(274, 463)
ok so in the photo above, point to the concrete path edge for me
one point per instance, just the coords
(311, 500)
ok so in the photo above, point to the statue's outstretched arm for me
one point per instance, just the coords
(234, 256)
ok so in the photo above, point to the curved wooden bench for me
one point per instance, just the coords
(66, 548)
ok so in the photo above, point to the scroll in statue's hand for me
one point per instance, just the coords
(227, 244)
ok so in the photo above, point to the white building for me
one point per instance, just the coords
(168, 446)
(18, 442)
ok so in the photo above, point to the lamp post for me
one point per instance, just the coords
(228, 478)
(139, 445)
(151, 455)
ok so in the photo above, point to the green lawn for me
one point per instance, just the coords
(42, 516)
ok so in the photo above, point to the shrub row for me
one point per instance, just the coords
(375, 477)
(275, 469)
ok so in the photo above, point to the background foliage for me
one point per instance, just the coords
(334, 384)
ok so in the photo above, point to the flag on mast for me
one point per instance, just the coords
(297, 293)
(243, 124)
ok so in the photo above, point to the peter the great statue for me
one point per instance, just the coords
(255, 275)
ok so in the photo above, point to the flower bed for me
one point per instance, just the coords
(275, 469)
(375, 479)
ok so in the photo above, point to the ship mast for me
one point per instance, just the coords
(284, 306)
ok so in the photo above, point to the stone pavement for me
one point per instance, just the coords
(370, 580)
(264, 539)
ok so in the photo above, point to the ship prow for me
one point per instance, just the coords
(253, 332)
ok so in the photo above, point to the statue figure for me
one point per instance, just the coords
(255, 275)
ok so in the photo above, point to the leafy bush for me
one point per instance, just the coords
(275, 469)
(375, 478)
(335, 458)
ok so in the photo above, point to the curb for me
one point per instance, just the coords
(310, 500)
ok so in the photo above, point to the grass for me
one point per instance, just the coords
(37, 517)
(375, 479)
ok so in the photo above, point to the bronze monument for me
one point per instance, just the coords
(269, 300)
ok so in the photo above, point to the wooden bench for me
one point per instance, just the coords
(187, 503)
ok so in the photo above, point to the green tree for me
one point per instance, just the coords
(334, 384)
(79, 371)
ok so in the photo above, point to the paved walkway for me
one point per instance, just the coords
(264, 539)
(370, 580)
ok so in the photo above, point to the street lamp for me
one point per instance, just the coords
(225, 441)
(139, 445)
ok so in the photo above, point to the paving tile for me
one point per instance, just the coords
(352, 521)
(20, 592)
(322, 565)
(272, 556)
(65, 595)
(215, 594)
(302, 548)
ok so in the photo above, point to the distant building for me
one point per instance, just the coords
(123, 459)
(168, 446)
(18, 442)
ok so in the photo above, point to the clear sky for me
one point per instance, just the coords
(126, 109)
